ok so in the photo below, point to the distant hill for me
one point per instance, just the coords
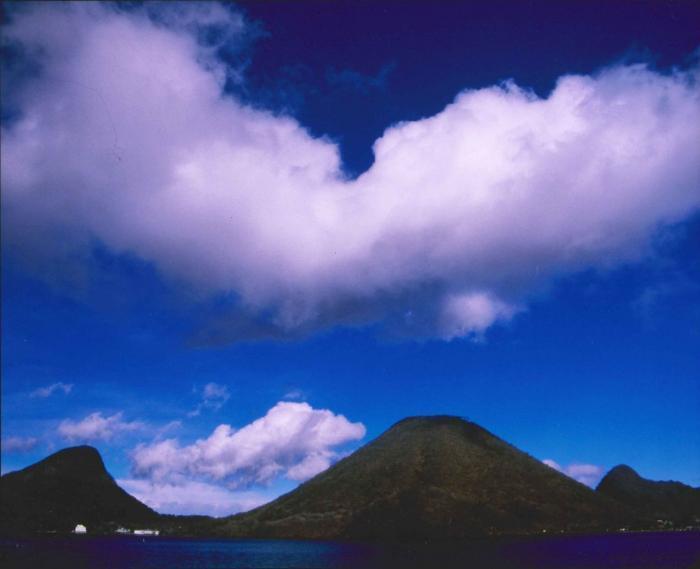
(672, 501)
(431, 478)
(69, 487)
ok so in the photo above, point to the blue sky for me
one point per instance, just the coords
(240, 241)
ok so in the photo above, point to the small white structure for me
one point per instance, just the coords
(123, 530)
(80, 528)
(146, 532)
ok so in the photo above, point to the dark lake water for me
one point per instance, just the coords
(628, 551)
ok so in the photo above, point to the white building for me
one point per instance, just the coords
(146, 532)
(80, 528)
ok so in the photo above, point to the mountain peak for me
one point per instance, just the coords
(78, 451)
(84, 455)
(68, 487)
(435, 477)
(621, 472)
(653, 499)
(440, 425)
(72, 463)
(432, 419)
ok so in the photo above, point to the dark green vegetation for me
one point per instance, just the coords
(673, 503)
(426, 478)
(69, 487)
(431, 478)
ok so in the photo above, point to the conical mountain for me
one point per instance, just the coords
(69, 487)
(431, 478)
(655, 500)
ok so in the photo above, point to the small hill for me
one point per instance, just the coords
(672, 501)
(431, 478)
(69, 487)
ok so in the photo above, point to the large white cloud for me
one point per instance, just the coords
(292, 440)
(126, 137)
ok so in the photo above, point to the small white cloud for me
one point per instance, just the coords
(192, 497)
(214, 395)
(19, 444)
(292, 440)
(588, 474)
(95, 427)
(215, 392)
(294, 395)
(49, 390)
(471, 314)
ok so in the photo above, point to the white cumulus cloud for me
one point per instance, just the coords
(292, 440)
(96, 427)
(126, 137)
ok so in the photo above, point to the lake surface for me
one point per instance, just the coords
(628, 551)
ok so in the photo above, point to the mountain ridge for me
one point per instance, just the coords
(425, 478)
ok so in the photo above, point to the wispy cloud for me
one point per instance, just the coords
(96, 427)
(292, 440)
(168, 428)
(294, 395)
(213, 397)
(672, 285)
(49, 390)
(193, 497)
(462, 217)
(588, 474)
(19, 444)
(360, 82)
